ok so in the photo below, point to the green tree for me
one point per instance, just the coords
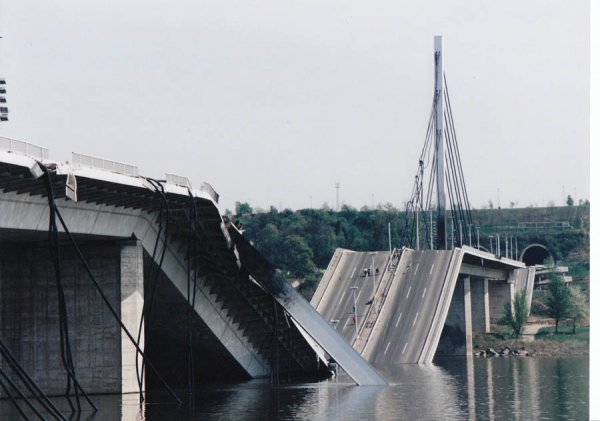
(295, 257)
(516, 316)
(558, 300)
(579, 308)
(243, 208)
(570, 201)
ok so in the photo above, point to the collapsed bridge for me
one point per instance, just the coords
(407, 306)
(212, 308)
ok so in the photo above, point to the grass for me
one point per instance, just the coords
(582, 334)
(546, 343)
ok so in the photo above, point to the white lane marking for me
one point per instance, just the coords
(424, 291)
(431, 270)
(417, 267)
(353, 273)
(398, 321)
(416, 317)
(386, 348)
(404, 349)
(342, 297)
(408, 293)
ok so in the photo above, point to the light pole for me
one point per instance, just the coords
(372, 254)
(354, 288)
(491, 244)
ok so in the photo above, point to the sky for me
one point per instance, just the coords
(273, 102)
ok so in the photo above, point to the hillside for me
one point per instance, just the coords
(302, 242)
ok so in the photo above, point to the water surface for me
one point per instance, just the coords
(453, 389)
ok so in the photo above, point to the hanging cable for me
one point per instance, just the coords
(11, 397)
(65, 345)
(28, 382)
(107, 302)
(191, 286)
(5, 378)
(154, 275)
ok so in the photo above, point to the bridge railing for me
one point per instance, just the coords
(209, 189)
(23, 148)
(178, 180)
(104, 165)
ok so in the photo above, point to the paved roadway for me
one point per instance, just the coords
(407, 315)
(335, 301)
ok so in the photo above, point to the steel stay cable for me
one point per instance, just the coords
(6, 378)
(105, 299)
(12, 398)
(112, 310)
(453, 184)
(54, 246)
(147, 309)
(464, 187)
(28, 381)
(141, 324)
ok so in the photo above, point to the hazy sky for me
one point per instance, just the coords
(273, 102)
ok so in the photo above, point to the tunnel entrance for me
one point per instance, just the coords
(535, 254)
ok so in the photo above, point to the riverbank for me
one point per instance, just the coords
(544, 343)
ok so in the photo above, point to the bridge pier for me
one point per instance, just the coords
(456, 338)
(480, 303)
(104, 360)
(132, 304)
(500, 291)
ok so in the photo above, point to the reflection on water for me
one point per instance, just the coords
(453, 389)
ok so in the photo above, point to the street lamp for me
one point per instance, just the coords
(354, 288)
(372, 254)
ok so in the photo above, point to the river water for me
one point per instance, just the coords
(452, 389)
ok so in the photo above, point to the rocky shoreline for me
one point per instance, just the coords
(504, 352)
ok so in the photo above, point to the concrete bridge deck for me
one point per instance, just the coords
(426, 302)
(247, 321)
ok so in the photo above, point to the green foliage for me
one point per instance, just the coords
(243, 208)
(564, 334)
(579, 306)
(570, 201)
(558, 300)
(314, 234)
(517, 318)
(538, 303)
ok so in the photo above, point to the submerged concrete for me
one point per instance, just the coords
(246, 323)
(426, 303)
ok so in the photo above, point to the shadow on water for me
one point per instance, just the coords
(452, 389)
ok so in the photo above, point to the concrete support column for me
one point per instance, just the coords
(486, 304)
(132, 303)
(468, 320)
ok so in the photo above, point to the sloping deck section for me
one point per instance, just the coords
(246, 309)
(421, 297)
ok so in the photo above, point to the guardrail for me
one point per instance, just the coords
(104, 165)
(178, 180)
(553, 224)
(209, 189)
(23, 148)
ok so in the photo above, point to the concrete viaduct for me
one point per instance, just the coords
(247, 321)
(161, 249)
(407, 306)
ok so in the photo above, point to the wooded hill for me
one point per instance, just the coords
(302, 242)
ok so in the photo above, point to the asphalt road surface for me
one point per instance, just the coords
(407, 315)
(335, 300)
